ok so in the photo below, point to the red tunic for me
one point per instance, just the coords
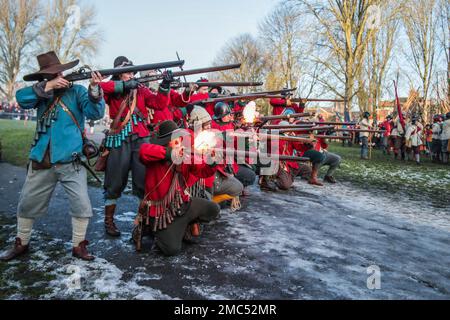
(159, 175)
(203, 96)
(279, 106)
(223, 127)
(172, 111)
(145, 99)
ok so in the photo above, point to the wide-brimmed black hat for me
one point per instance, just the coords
(166, 132)
(49, 65)
(121, 62)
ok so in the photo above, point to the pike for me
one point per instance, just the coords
(217, 84)
(85, 73)
(177, 74)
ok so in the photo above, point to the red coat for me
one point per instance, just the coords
(386, 125)
(203, 96)
(145, 99)
(223, 127)
(159, 176)
(279, 106)
(172, 111)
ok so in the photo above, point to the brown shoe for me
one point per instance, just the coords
(81, 252)
(17, 251)
(110, 226)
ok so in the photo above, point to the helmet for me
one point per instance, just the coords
(221, 109)
(199, 115)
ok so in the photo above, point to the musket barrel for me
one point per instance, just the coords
(316, 100)
(218, 84)
(290, 116)
(84, 75)
(183, 73)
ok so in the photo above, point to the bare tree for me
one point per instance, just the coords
(243, 49)
(420, 22)
(18, 30)
(380, 49)
(342, 37)
(70, 30)
(280, 32)
(444, 41)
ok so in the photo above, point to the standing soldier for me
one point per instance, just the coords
(398, 136)
(413, 138)
(56, 150)
(130, 105)
(436, 142)
(445, 137)
(364, 136)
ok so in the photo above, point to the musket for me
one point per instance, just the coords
(256, 155)
(181, 67)
(85, 73)
(329, 123)
(289, 116)
(332, 137)
(216, 84)
(157, 77)
(359, 130)
(300, 100)
(297, 128)
(274, 137)
(230, 98)
(276, 92)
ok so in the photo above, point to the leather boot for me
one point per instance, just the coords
(314, 174)
(110, 226)
(17, 251)
(330, 179)
(81, 252)
(266, 184)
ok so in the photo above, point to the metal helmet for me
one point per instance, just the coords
(199, 115)
(221, 109)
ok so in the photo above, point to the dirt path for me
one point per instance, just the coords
(306, 244)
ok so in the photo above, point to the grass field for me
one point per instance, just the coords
(426, 182)
(16, 138)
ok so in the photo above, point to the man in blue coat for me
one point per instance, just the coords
(56, 149)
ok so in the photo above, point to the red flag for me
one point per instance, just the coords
(399, 107)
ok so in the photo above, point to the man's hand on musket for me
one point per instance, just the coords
(58, 83)
(96, 79)
(192, 87)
